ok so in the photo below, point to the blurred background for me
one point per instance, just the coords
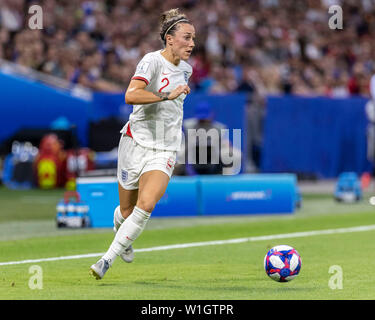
(299, 91)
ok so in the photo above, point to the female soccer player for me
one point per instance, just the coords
(152, 136)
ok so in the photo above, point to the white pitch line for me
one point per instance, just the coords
(208, 243)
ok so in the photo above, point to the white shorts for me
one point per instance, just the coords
(134, 160)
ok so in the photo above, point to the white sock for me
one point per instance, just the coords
(118, 219)
(130, 229)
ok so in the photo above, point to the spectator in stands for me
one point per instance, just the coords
(11, 15)
(288, 43)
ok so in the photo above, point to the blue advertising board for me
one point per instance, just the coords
(101, 196)
(199, 196)
(248, 194)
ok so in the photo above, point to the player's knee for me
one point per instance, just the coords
(126, 210)
(147, 205)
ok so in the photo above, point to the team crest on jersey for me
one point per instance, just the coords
(186, 76)
(124, 175)
(170, 163)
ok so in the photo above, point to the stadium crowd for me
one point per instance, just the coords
(262, 46)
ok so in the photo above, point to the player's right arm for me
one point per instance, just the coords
(136, 93)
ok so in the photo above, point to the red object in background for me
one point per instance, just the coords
(72, 194)
(54, 166)
(365, 180)
(353, 86)
(49, 164)
(201, 68)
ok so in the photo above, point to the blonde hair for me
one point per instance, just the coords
(169, 21)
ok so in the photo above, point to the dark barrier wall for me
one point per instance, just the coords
(319, 136)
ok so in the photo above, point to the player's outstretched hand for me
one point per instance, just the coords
(178, 91)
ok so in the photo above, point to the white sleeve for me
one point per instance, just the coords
(190, 73)
(145, 69)
(372, 87)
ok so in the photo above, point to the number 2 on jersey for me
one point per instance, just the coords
(164, 79)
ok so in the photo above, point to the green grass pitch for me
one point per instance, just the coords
(228, 271)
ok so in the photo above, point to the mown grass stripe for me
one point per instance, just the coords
(208, 243)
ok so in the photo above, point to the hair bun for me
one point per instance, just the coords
(168, 20)
(170, 15)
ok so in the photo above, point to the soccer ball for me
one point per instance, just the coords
(282, 263)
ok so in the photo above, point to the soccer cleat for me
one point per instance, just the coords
(99, 269)
(128, 254)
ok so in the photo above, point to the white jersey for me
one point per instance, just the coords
(159, 125)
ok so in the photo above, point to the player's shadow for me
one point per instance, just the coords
(280, 290)
(109, 284)
(175, 285)
(222, 288)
